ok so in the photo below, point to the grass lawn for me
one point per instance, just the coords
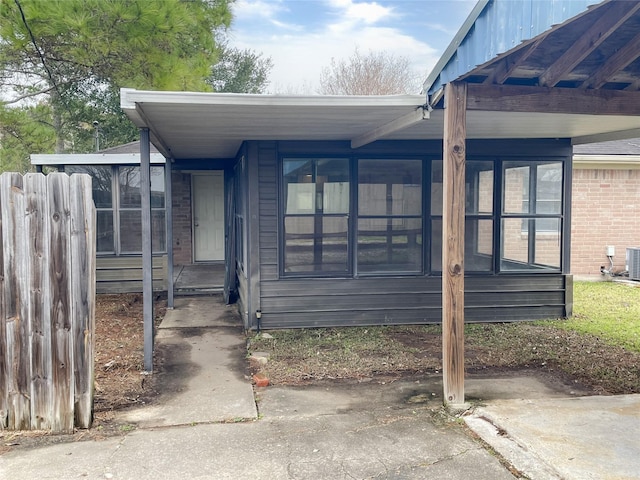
(598, 347)
(607, 310)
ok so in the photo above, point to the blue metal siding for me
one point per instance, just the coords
(501, 26)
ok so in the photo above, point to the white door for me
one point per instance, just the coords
(208, 217)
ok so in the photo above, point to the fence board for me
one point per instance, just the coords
(59, 270)
(17, 326)
(37, 229)
(83, 244)
(4, 385)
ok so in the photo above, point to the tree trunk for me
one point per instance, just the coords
(57, 121)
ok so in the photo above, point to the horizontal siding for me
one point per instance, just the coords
(326, 302)
(268, 188)
(124, 274)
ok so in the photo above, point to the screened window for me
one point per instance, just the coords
(116, 194)
(389, 237)
(316, 215)
(531, 223)
(478, 233)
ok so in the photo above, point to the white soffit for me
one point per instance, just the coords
(206, 125)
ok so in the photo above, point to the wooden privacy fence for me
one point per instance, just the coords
(47, 301)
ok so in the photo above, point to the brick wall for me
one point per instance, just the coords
(181, 186)
(606, 211)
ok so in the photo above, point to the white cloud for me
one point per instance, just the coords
(367, 12)
(299, 55)
(267, 10)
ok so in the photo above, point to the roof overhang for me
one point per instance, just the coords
(190, 125)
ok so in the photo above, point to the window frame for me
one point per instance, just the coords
(528, 219)
(116, 210)
(352, 217)
(283, 215)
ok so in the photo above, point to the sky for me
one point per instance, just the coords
(303, 36)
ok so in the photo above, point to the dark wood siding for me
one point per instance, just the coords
(324, 302)
(268, 187)
(124, 274)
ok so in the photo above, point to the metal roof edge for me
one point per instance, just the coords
(453, 46)
(92, 158)
(130, 99)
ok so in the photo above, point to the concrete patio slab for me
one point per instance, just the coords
(568, 438)
(201, 311)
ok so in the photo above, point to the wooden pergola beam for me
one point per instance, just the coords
(453, 212)
(512, 98)
(618, 61)
(615, 16)
(505, 68)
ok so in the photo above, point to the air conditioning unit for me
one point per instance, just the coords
(633, 263)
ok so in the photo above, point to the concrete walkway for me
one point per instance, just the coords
(206, 424)
(202, 377)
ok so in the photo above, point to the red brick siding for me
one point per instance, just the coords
(181, 189)
(605, 211)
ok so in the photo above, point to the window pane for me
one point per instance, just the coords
(158, 231)
(516, 188)
(101, 183)
(478, 256)
(436, 187)
(478, 242)
(548, 242)
(130, 231)
(332, 180)
(389, 187)
(436, 245)
(130, 187)
(157, 187)
(316, 185)
(129, 183)
(315, 244)
(549, 188)
(515, 245)
(479, 187)
(389, 245)
(104, 235)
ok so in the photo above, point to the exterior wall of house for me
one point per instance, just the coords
(606, 209)
(182, 242)
(289, 302)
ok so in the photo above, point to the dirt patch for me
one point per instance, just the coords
(361, 353)
(120, 381)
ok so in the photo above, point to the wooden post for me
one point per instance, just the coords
(453, 212)
(147, 280)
